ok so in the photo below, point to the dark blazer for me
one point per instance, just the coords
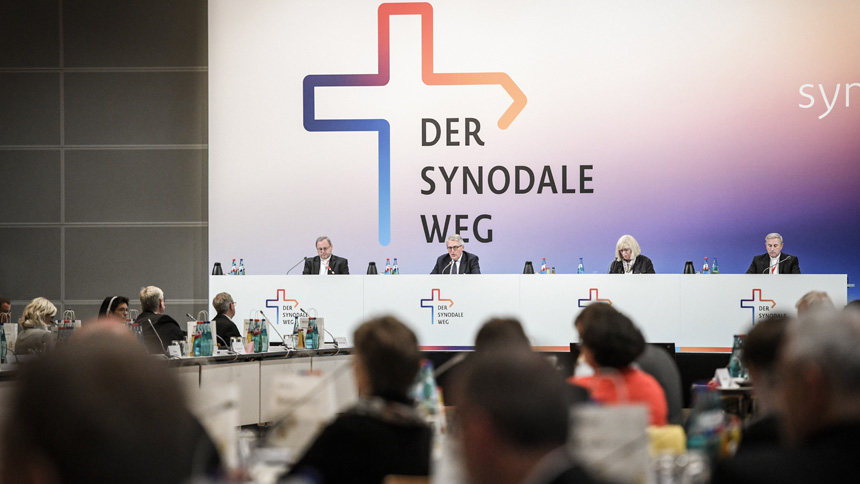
(642, 265)
(337, 265)
(830, 455)
(468, 264)
(164, 325)
(226, 329)
(789, 264)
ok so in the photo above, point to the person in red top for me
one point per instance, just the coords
(610, 343)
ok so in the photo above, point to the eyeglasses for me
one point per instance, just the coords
(454, 247)
(323, 249)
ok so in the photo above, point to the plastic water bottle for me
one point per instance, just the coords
(715, 269)
(197, 340)
(543, 266)
(241, 267)
(705, 268)
(580, 269)
(264, 336)
(233, 268)
(2, 342)
(387, 267)
(395, 269)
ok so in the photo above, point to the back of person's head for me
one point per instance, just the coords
(764, 342)
(35, 312)
(95, 411)
(611, 337)
(814, 301)
(110, 304)
(388, 351)
(501, 332)
(830, 341)
(853, 305)
(520, 393)
(150, 297)
(221, 302)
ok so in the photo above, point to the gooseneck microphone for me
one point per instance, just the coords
(449, 265)
(297, 264)
(163, 351)
(768, 268)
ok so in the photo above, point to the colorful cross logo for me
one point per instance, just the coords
(593, 298)
(381, 126)
(279, 300)
(755, 302)
(435, 297)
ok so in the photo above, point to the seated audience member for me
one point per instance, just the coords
(610, 344)
(5, 309)
(114, 307)
(99, 411)
(629, 259)
(760, 356)
(853, 305)
(383, 434)
(225, 328)
(501, 332)
(34, 336)
(157, 328)
(774, 261)
(514, 421)
(814, 301)
(819, 387)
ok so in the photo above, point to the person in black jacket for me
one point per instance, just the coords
(325, 263)
(629, 259)
(383, 434)
(774, 261)
(457, 260)
(225, 328)
(157, 328)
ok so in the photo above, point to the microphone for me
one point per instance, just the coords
(190, 317)
(229, 349)
(163, 351)
(444, 367)
(446, 267)
(297, 263)
(333, 340)
(776, 264)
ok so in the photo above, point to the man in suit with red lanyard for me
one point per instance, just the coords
(775, 261)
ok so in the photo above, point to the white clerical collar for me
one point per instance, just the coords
(774, 264)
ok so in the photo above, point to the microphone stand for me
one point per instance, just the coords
(304, 259)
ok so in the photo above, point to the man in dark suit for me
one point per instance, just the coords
(225, 328)
(325, 262)
(775, 261)
(157, 328)
(457, 260)
(820, 395)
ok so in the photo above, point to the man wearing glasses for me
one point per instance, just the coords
(457, 260)
(325, 263)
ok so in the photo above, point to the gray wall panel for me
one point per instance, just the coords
(30, 186)
(121, 260)
(111, 33)
(104, 185)
(133, 108)
(30, 258)
(29, 108)
(29, 33)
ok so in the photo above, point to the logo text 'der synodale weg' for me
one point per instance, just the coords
(381, 126)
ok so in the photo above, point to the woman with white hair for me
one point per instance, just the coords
(629, 259)
(34, 336)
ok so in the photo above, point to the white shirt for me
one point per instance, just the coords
(774, 264)
(324, 266)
